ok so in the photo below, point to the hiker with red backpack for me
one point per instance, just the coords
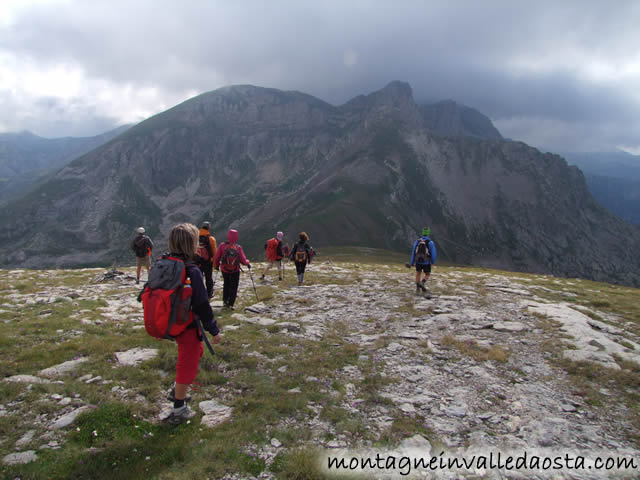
(205, 254)
(423, 255)
(142, 246)
(176, 307)
(301, 255)
(228, 259)
(274, 252)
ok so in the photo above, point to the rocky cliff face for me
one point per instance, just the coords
(370, 172)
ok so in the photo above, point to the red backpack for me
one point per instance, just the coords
(230, 260)
(272, 249)
(166, 299)
(204, 249)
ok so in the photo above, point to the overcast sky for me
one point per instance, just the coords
(559, 75)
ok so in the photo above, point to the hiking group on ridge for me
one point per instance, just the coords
(176, 296)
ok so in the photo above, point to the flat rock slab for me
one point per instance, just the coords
(68, 419)
(515, 291)
(20, 458)
(64, 367)
(411, 335)
(136, 355)
(257, 308)
(416, 444)
(509, 326)
(265, 322)
(214, 413)
(25, 439)
(592, 344)
(26, 379)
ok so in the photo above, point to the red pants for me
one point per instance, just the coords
(189, 353)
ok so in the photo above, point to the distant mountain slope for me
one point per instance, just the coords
(614, 180)
(25, 157)
(370, 172)
(620, 195)
(606, 164)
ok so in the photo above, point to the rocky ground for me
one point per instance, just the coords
(486, 362)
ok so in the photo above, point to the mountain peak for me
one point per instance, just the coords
(451, 119)
(395, 94)
(398, 88)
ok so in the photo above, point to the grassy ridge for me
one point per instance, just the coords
(254, 371)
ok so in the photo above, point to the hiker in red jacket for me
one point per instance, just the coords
(274, 252)
(228, 259)
(183, 242)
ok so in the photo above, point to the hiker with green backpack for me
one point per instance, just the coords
(228, 259)
(423, 255)
(301, 255)
(176, 307)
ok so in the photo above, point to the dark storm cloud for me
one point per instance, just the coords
(531, 68)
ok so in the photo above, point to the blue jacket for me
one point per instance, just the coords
(432, 251)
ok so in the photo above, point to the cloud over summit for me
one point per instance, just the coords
(558, 75)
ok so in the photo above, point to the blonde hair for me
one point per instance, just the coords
(183, 239)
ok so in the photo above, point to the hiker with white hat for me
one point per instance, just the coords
(142, 246)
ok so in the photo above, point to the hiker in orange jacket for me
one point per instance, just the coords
(274, 252)
(206, 254)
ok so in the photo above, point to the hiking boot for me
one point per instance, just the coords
(280, 278)
(137, 281)
(172, 396)
(261, 277)
(179, 415)
(418, 288)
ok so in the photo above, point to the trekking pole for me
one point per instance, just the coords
(254, 285)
